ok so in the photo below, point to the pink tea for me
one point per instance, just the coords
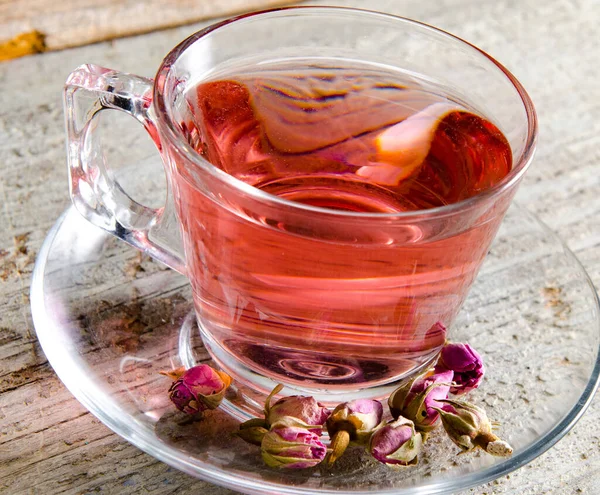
(311, 298)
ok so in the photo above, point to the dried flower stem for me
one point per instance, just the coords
(175, 374)
(253, 435)
(278, 388)
(339, 444)
(493, 445)
(253, 423)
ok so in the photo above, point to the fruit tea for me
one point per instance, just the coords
(348, 306)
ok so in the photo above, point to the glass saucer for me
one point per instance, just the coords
(109, 320)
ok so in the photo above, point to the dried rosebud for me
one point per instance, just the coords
(358, 417)
(417, 400)
(352, 421)
(199, 388)
(291, 447)
(468, 427)
(397, 444)
(306, 410)
(466, 363)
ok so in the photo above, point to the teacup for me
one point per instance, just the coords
(325, 298)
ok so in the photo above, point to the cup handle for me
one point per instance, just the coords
(94, 190)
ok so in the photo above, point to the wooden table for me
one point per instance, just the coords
(48, 438)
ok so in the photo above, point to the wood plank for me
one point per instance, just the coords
(78, 22)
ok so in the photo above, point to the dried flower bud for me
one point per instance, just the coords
(292, 448)
(417, 400)
(397, 444)
(469, 427)
(352, 421)
(199, 388)
(358, 417)
(466, 363)
(306, 410)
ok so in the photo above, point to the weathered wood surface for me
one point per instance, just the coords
(75, 22)
(50, 444)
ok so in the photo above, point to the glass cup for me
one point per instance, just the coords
(328, 302)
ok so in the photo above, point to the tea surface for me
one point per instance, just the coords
(346, 139)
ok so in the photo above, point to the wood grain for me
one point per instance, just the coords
(48, 442)
(78, 22)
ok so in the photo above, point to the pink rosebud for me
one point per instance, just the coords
(469, 428)
(352, 421)
(396, 444)
(417, 400)
(306, 410)
(199, 388)
(291, 447)
(358, 417)
(466, 363)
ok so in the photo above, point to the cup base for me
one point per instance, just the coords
(250, 389)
